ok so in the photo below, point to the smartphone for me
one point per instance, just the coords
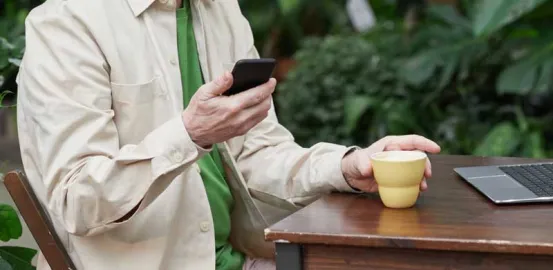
(249, 73)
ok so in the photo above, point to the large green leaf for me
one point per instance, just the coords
(448, 71)
(545, 12)
(10, 226)
(4, 265)
(354, 107)
(491, 15)
(19, 258)
(4, 56)
(523, 122)
(544, 80)
(449, 14)
(420, 68)
(502, 140)
(531, 72)
(519, 78)
(534, 146)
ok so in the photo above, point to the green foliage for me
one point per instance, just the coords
(529, 68)
(4, 265)
(493, 14)
(484, 94)
(12, 43)
(280, 25)
(531, 39)
(10, 57)
(18, 258)
(10, 227)
(288, 5)
(500, 141)
(12, 40)
(312, 98)
(11, 257)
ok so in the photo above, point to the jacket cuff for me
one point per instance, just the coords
(174, 147)
(338, 181)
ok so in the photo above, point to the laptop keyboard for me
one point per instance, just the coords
(538, 178)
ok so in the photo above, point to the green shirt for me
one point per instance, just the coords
(212, 173)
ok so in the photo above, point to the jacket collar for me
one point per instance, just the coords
(139, 6)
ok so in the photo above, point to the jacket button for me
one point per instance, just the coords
(173, 61)
(204, 226)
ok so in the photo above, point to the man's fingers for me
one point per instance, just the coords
(260, 109)
(365, 167)
(373, 188)
(428, 169)
(218, 86)
(254, 96)
(424, 185)
(249, 117)
(365, 185)
(413, 142)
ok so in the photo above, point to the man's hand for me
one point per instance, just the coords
(212, 118)
(357, 167)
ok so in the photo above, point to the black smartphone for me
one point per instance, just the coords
(249, 73)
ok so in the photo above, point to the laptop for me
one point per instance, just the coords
(511, 184)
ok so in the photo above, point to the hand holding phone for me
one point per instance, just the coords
(249, 73)
(213, 117)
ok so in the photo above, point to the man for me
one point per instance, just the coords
(140, 160)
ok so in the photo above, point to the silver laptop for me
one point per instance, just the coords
(509, 184)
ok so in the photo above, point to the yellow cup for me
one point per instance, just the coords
(399, 174)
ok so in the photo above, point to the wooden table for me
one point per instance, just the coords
(452, 226)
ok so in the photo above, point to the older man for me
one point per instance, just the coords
(140, 160)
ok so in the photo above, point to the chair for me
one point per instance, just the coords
(38, 221)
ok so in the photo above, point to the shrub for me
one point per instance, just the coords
(475, 85)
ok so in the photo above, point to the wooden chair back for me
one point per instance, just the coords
(38, 221)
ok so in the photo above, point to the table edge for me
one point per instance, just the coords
(376, 241)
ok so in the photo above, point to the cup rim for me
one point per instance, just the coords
(422, 155)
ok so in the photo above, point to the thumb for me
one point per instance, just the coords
(217, 86)
(364, 164)
(365, 167)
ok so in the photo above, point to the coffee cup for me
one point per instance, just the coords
(398, 175)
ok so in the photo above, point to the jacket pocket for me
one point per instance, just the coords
(139, 109)
(139, 93)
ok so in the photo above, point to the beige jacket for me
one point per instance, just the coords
(99, 115)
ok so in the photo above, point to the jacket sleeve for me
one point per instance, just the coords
(64, 94)
(272, 163)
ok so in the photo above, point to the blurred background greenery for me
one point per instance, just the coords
(18, 251)
(474, 75)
